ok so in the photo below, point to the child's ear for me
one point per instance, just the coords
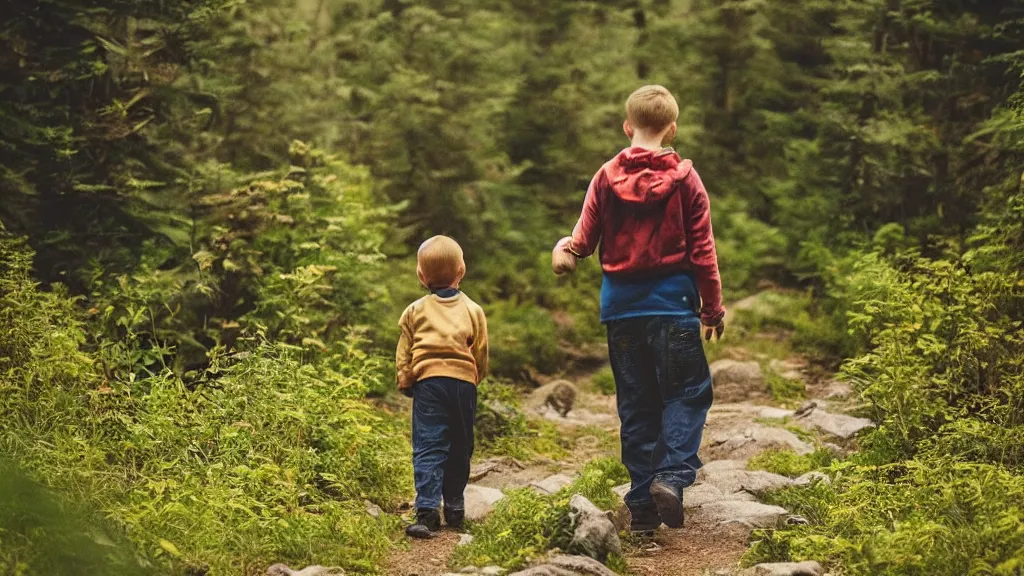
(460, 276)
(419, 274)
(628, 129)
(670, 135)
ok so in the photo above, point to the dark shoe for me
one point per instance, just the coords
(418, 531)
(643, 518)
(454, 517)
(427, 522)
(669, 503)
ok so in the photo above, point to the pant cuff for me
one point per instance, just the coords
(422, 504)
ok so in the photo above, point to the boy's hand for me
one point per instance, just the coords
(715, 331)
(562, 260)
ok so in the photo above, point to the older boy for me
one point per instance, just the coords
(442, 356)
(649, 210)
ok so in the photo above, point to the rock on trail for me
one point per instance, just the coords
(551, 484)
(594, 534)
(732, 476)
(735, 380)
(283, 570)
(726, 493)
(788, 569)
(745, 443)
(480, 501)
(734, 432)
(562, 565)
(813, 415)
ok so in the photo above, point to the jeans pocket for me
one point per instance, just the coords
(686, 366)
(426, 403)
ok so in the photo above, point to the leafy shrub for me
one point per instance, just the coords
(294, 253)
(944, 346)
(263, 457)
(749, 249)
(521, 337)
(915, 517)
(938, 486)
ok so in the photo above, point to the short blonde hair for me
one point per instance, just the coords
(651, 107)
(440, 262)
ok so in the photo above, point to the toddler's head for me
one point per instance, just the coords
(653, 110)
(439, 263)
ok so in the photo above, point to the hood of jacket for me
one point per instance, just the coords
(642, 176)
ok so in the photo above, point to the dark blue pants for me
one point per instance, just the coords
(663, 389)
(443, 413)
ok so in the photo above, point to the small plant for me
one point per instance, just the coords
(604, 381)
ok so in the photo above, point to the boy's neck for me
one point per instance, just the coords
(648, 141)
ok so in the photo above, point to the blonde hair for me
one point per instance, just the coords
(439, 262)
(651, 107)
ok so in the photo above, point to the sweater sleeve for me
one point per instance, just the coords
(587, 232)
(403, 356)
(481, 348)
(701, 247)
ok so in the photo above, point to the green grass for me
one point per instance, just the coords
(789, 463)
(604, 381)
(524, 524)
(786, 392)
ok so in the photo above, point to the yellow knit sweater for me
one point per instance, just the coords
(442, 337)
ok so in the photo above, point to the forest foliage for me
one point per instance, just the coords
(208, 210)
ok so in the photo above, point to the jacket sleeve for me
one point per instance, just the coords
(701, 247)
(403, 356)
(481, 348)
(587, 232)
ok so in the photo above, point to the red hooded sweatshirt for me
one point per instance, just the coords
(651, 215)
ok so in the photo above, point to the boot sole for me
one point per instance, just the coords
(670, 507)
(419, 532)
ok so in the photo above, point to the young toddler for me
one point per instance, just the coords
(442, 356)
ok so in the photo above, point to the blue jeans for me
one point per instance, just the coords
(443, 413)
(663, 390)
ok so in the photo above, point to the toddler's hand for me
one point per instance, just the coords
(715, 331)
(562, 260)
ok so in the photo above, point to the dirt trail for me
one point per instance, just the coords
(743, 422)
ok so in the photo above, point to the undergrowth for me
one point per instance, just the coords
(937, 488)
(525, 524)
(266, 456)
(45, 534)
(909, 518)
(503, 429)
